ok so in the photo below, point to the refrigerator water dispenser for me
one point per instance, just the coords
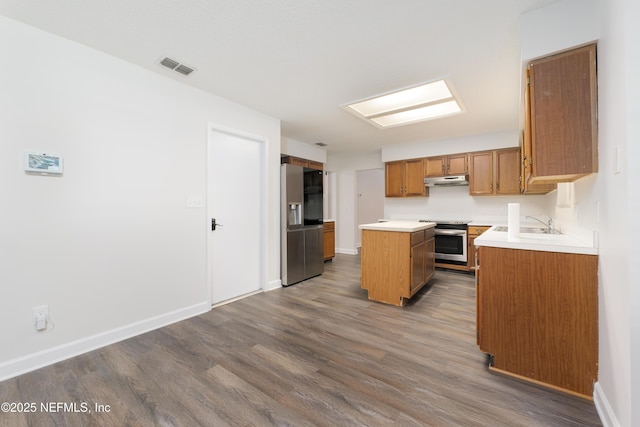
(295, 213)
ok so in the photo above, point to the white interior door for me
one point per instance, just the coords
(235, 188)
(370, 204)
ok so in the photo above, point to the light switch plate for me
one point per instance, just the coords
(40, 317)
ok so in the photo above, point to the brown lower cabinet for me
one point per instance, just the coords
(396, 265)
(537, 316)
(473, 232)
(329, 239)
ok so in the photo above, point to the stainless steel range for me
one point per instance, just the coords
(451, 241)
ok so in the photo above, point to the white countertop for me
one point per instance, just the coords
(537, 242)
(398, 225)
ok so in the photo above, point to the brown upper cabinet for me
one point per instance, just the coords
(404, 178)
(494, 172)
(455, 164)
(527, 186)
(563, 116)
(302, 162)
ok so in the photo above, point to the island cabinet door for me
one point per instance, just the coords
(386, 265)
(430, 256)
(418, 261)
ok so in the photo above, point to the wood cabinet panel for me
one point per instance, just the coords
(396, 265)
(405, 178)
(527, 186)
(457, 164)
(385, 263)
(454, 164)
(434, 166)
(414, 178)
(430, 255)
(563, 115)
(418, 266)
(507, 172)
(298, 162)
(394, 179)
(472, 233)
(302, 162)
(481, 173)
(329, 240)
(495, 172)
(538, 316)
(315, 165)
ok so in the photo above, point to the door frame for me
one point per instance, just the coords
(211, 129)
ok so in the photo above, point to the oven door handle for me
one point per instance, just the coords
(451, 232)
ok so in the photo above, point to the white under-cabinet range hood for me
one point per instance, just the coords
(447, 181)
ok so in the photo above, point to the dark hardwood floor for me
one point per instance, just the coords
(314, 354)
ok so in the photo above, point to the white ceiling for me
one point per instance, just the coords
(300, 60)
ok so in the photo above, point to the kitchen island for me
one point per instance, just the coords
(397, 259)
(537, 308)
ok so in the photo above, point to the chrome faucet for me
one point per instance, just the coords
(548, 224)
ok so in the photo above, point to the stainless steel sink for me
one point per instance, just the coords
(530, 230)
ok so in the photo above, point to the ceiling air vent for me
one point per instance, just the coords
(183, 69)
(176, 66)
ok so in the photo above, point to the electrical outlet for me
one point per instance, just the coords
(41, 317)
(194, 202)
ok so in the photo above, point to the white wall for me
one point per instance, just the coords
(110, 246)
(296, 148)
(467, 144)
(455, 202)
(609, 200)
(446, 203)
(627, 18)
(617, 195)
(345, 167)
(557, 27)
(370, 198)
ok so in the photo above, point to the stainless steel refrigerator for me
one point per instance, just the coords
(301, 223)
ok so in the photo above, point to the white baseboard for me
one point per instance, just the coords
(274, 284)
(607, 417)
(238, 298)
(13, 368)
(347, 251)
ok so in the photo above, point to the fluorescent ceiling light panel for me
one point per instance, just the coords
(406, 106)
(404, 99)
(418, 114)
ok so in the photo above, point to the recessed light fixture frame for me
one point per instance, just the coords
(413, 104)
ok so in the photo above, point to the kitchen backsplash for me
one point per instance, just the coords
(455, 203)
